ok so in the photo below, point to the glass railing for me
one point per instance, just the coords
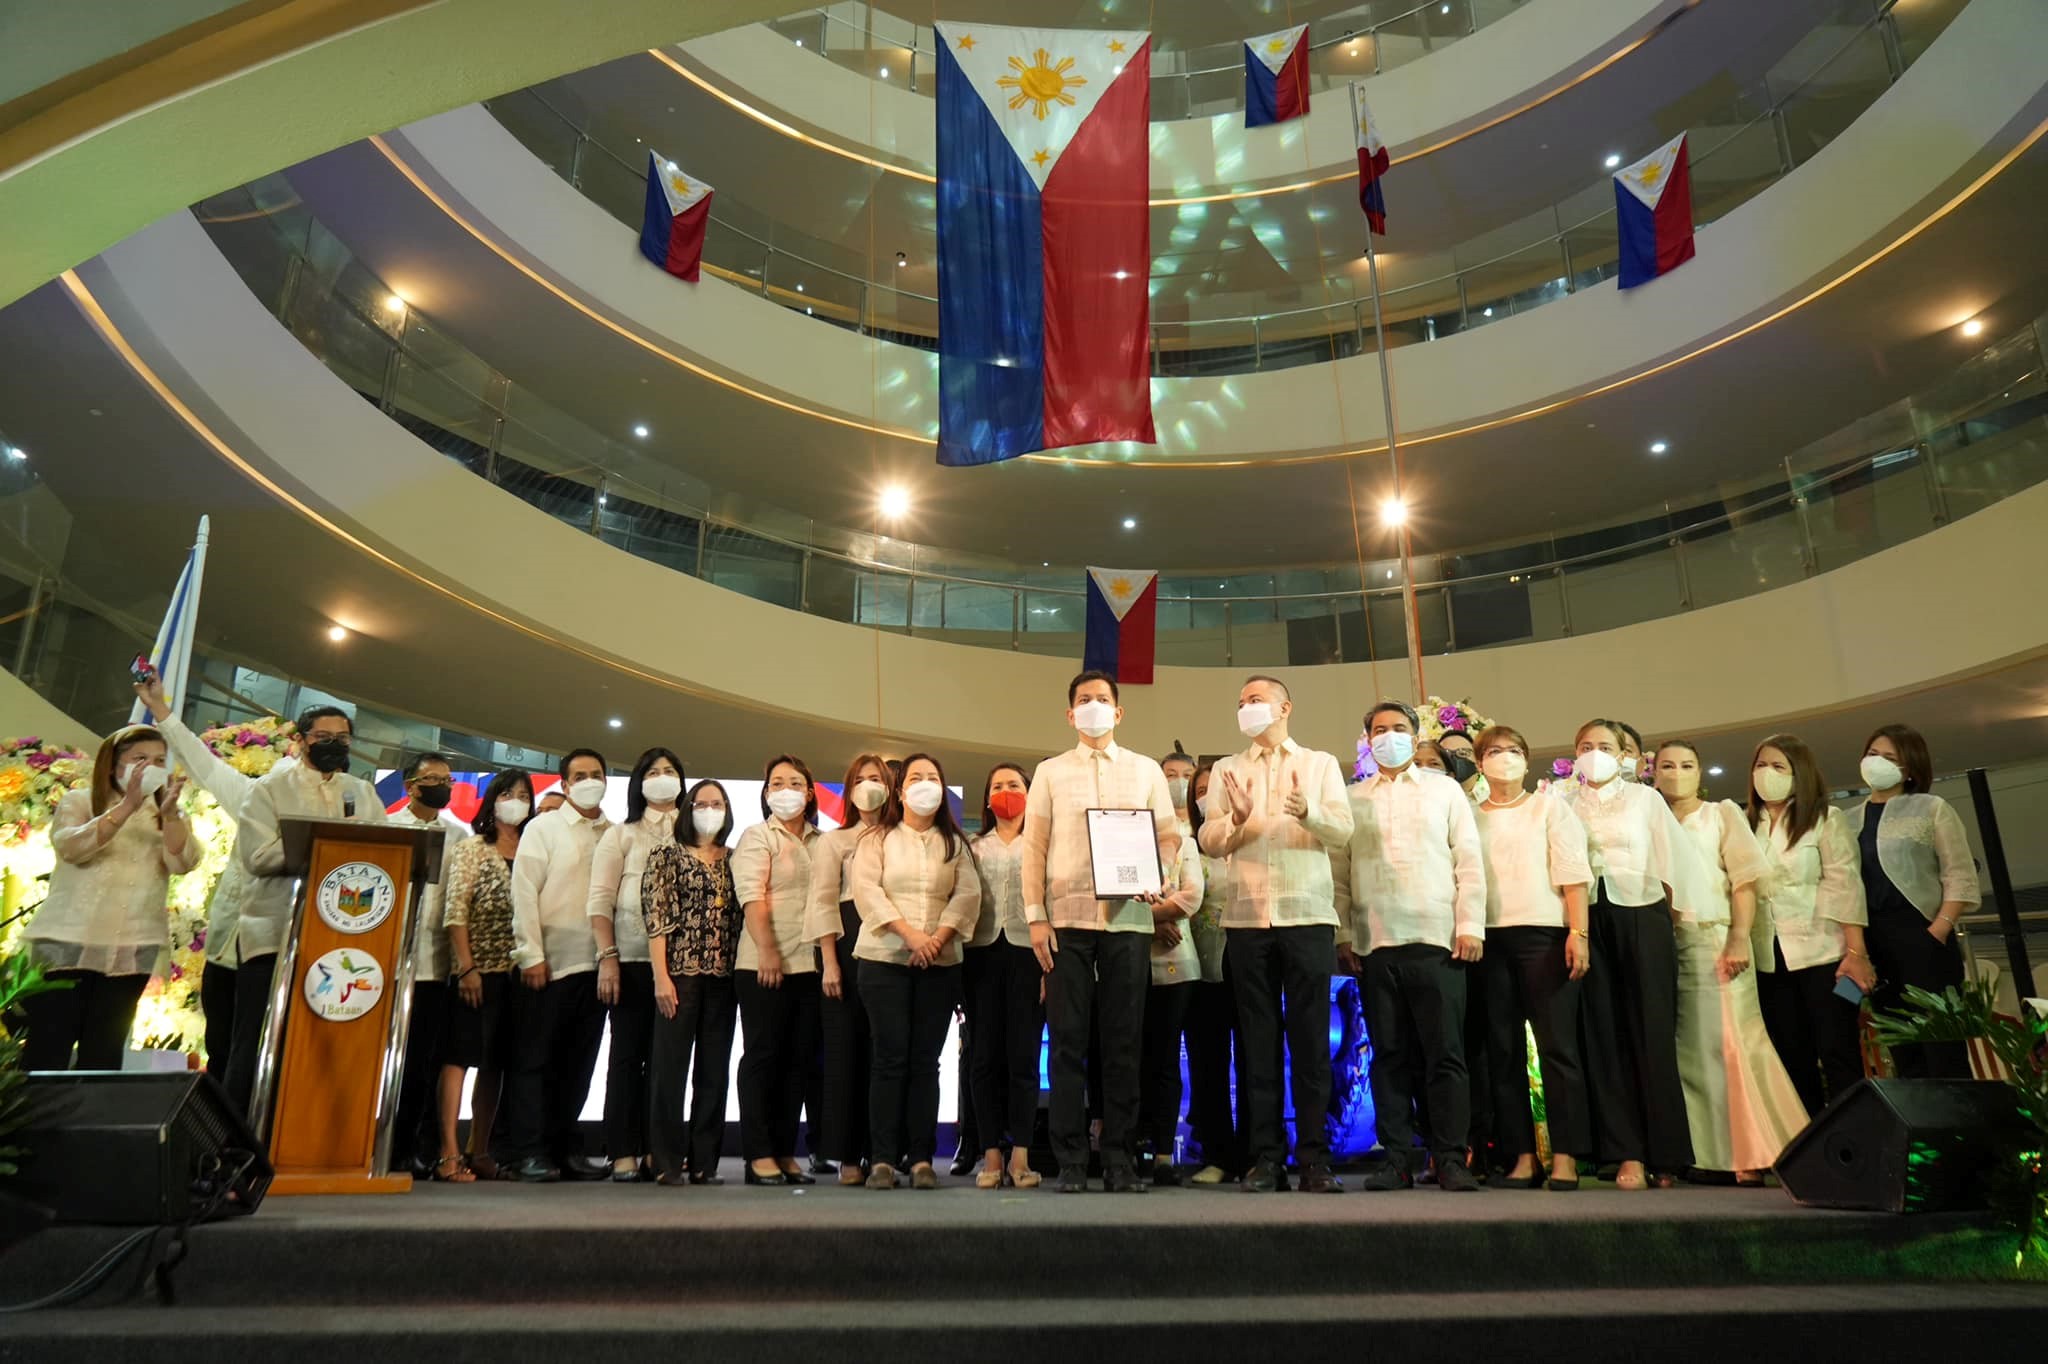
(1976, 438)
(1738, 149)
(1187, 82)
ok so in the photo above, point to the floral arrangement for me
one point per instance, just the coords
(1434, 716)
(33, 777)
(252, 747)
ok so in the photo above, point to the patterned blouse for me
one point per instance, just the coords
(692, 904)
(479, 896)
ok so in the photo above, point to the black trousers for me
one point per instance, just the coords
(625, 1072)
(95, 1015)
(1904, 953)
(909, 1011)
(252, 1007)
(1813, 1029)
(552, 1060)
(1479, 1133)
(1629, 1016)
(1282, 980)
(217, 1002)
(781, 1027)
(1414, 998)
(1212, 1040)
(1166, 1014)
(1006, 1021)
(848, 1050)
(415, 1129)
(1096, 975)
(696, 1043)
(1526, 981)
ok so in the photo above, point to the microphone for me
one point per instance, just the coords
(348, 805)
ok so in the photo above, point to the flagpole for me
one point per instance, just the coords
(1410, 623)
(183, 654)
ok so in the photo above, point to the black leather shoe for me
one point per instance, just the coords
(1320, 1179)
(696, 1178)
(776, 1179)
(1265, 1177)
(1454, 1176)
(820, 1166)
(797, 1177)
(964, 1162)
(1387, 1178)
(1165, 1175)
(537, 1170)
(1120, 1177)
(586, 1169)
(1073, 1179)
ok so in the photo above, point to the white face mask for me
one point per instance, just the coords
(1095, 718)
(1393, 749)
(512, 813)
(708, 819)
(1631, 769)
(1254, 718)
(923, 797)
(659, 789)
(787, 803)
(870, 795)
(1881, 773)
(1596, 767)
(154, 779)
(586, 794)
(1177, 787)
(1505, 769)
(1772, 784)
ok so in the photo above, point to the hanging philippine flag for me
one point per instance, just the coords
(1045, 244)
(1653, 210)
(1276, 76)
(1123, 617)
(672, 228)
(1373, 162)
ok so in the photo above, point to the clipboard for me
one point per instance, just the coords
(1123, 854)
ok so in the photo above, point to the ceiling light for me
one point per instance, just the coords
(1658, 447)
(1613, 160)
(336, 633)
(1130, 523)
(901, 260)
(393, 303)
(885, 73)
(1123, 274)
(1117, 70)
(808, 312)
(616, 723)
(16, 454)
(600, 499)
(1045, 563)
(641, 431)
(671, 168)
(1486, 312)
(1445, 10)
(1393, 512)
(894, 502)
(799, 42)
(1974, 327)
(799, 288)
(1713, 771)
(1390, 575)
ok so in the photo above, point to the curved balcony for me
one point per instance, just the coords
(1739, 149)
(1978, 437)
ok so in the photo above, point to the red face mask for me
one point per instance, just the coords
(1006, 804)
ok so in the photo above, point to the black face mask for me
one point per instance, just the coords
(1462, 768)
(328, 755)
(434, 797)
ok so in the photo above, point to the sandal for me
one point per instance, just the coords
(1026, 1179)
(986, 1178)
(452, 1170)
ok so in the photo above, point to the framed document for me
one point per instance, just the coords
(1123, 848)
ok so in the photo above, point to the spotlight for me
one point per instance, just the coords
(894, 502)
(1974, 327)
(393, 303)
(1658, 447)
(336, 633)
(1393, 513)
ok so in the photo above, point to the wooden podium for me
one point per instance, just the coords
(340, 1005)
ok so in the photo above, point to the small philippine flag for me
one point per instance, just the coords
(1276, 76)
(1653, 209)
(672, 228)
(1123, 616)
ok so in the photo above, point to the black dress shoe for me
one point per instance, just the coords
(696, 1178)
(1534, 1181)
(1121, 1177)
(1320, 1179)
(797, 1177)
(964, 1162)
(1073, 1179)
(1454, 1176)
(1387, 1178)
(586, 1169)
(818, 1165)
(1165, 1174)
(756, 1177)
(1265, 1177)
(537, 1170)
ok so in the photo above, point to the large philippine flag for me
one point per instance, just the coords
(1044, 240)
(1123, 618)
(1276, 76)
(672, 227)
(1373, 164)
(1653, 208)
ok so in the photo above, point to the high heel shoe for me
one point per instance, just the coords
(797, 1176)
(1529, 1181)
(776, 1179)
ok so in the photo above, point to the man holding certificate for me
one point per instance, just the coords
(1099, 829)
(1278, 811)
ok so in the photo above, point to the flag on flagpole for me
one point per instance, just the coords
(1044, 160)
(1123, 618)
(1276, 76)
(1653, 211)
(1373, 162)
(672, 227)
(171, 654)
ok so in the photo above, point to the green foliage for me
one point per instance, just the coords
(20, 978)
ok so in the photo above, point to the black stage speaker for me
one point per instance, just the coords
(1903, 1146)
(136, 1148)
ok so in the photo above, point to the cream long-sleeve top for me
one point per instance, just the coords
(1730, 856)
(1413, 871)
(106, 908)
(831, 881)
(1921, 846)
(1636, 847)
(551, 892)
(1811, 888)
(1181, 964)
(229, 788)
(615, 871)
(904, 876)
(430, 935)
(771, 863)
(295, 792)
(1059, 876)
(1001, 867)
(1279, 864)
(1534, 849)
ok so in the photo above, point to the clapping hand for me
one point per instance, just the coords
(1296, 804)
(1240, 798)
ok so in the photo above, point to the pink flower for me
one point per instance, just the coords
(1561, 767)
(40, 761)
(177, 971)
(199, 941)
(1448, 717)
(248, 737)
(20, 744)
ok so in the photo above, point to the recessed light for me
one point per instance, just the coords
(1974, 327)
(1045, 563)
(1117, 70)
(1486, 312)
(894, 502)
(810, 312)
(1658, 447)
(799, 42)
(1613, 160)
(799, 288)
(616, 723)
(1393, 512)
(1130, 523)
(16, 453)
(901, 260)
(641, 431)
(1390, 575)
(885, 73)
(336, 633)
(671, 168)
(1445, 10)
(1123, 274)
(600, 499)
(1713, 771)
(393, 303)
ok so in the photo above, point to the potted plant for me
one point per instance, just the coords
(20, 978)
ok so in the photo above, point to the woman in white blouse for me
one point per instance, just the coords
(1644, 869)
(1176, 970)
(118, 841)
(1815, 900)
(834, 924)
(1537, 951)
(776, 971)
(1739, 1101)
(1918, 879)
(1005, 990)
(625, 976)
(919, 898)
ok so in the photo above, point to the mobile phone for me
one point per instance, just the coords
(1849, 990)
(141, 670)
